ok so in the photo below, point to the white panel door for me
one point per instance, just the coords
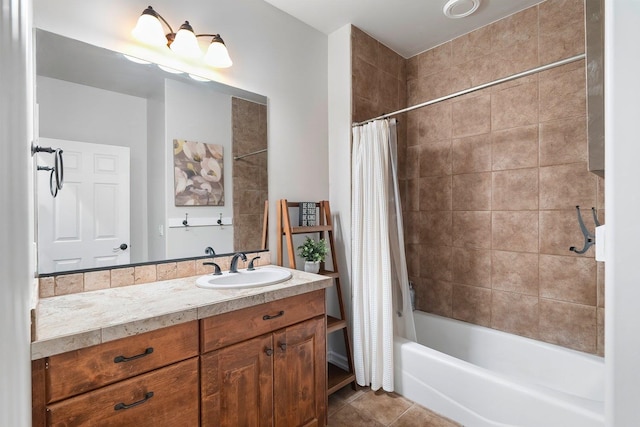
(88, 222)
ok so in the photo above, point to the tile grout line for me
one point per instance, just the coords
(402, 414)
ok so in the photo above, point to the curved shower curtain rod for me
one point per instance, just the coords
(475, 88)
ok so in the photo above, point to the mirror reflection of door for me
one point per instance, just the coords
(87, 224)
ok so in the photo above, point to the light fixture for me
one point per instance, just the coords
(184, 43)
(460, 8)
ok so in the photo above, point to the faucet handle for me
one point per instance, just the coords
(251, 267)
(209, 251)
(216, 268)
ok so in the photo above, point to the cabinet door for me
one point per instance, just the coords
(300, 375)
(237, 384)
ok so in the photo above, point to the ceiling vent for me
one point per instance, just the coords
(455, 9)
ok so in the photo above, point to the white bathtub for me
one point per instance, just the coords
(482, 377)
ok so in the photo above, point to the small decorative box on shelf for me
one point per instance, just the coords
(308, 215)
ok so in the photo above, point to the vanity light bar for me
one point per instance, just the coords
(184, 43)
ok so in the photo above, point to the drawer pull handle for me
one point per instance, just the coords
(283, 346)
(121, 405)
(119, 359)
(268, 317)
(268, 351)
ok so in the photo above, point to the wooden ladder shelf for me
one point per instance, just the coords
(337, 377)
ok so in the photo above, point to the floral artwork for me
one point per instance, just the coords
(198, 173)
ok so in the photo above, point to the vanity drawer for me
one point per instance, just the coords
(229, 328)
(165, 397)
(78, 371)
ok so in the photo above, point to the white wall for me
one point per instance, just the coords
(339, 65)
(197, 114)
(16, 211)
(82, 113)
(156, 197)
(274, 55)
(622, 153)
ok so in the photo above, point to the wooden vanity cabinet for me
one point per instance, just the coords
(150, 379)
(266, 365)
(259, 366)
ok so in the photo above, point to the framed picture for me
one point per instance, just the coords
(198, 173)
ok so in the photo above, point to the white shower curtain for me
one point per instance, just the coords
(381, 302)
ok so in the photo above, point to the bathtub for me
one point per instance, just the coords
(482, 377)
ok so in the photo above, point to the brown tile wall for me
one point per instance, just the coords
(73, 283)
(250, 183)
(490, 180)
(379, 77)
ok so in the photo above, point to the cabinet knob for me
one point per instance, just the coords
(283, 346)
(268, 351)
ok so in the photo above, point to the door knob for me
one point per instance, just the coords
(122, 247)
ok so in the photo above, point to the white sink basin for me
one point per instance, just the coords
(262, 276)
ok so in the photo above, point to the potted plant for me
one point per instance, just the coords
(313, 253)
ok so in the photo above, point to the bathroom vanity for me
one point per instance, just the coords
(169, 353)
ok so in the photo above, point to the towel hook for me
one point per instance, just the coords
(589, 239)
(56, 178)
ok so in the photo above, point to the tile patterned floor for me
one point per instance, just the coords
(366, 408)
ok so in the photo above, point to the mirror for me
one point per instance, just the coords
(178, 164)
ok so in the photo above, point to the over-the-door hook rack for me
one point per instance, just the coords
(589, 239)
(56, 178)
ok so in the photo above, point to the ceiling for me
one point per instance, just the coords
(406, 26)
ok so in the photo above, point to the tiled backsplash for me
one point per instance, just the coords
(73, 283)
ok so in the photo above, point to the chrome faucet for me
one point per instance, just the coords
(234, 262)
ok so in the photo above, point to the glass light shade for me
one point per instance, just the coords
(136, 60)
(217, 55)
(185, 44)
(169, 69)
(148, 30)
(198, 78)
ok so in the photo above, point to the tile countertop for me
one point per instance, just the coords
(75, 321)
